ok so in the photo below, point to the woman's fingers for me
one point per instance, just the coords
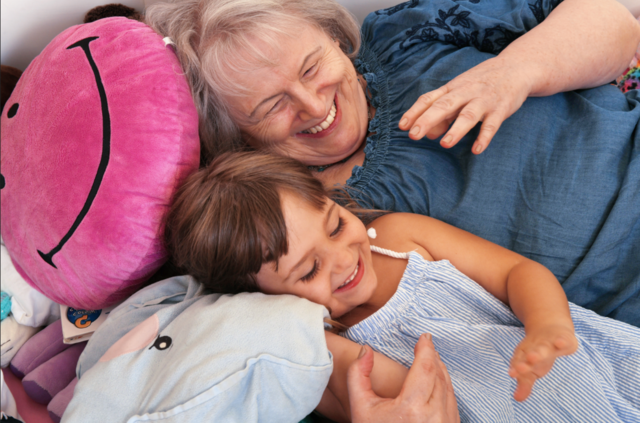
(469, 117)
(422, 376)
(465, 115)
(358, 379)
(489, 92)
(439, 129)
(445, 109)
(489, 128)
(423, 103)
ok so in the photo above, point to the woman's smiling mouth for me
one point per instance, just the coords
(327, 125)
(354, 279)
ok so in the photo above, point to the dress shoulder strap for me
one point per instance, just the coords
(372, 234)
(389, 253)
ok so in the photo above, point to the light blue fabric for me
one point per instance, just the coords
(559, 183)
(476, 334)
(243, 358)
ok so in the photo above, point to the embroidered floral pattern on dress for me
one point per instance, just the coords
(495, 38)
(538, 10)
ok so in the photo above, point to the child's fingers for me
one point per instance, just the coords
(518, 357)
(565, 346)
(524, 387)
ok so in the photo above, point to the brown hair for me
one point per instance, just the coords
(209, 34)
(226, 220)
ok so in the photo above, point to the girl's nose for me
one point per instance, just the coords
(343, 260)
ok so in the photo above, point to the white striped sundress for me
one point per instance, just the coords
(476, 334)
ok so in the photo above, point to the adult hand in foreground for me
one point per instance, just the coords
(426, 396)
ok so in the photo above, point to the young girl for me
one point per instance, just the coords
(256, 222)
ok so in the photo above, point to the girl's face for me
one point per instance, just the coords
(313, 86)
(329, 260)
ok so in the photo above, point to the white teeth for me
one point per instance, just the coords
(353, 275)
(324, 125)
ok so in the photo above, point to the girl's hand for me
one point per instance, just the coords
(489, 92)
(535, 355)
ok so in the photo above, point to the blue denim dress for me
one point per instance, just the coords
(560, 182)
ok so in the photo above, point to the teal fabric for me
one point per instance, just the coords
(5, 305)
(558, 184)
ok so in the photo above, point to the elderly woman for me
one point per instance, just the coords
(560, 182)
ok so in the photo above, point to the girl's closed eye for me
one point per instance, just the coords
(316, 267)
(312, 274)
(339, 228)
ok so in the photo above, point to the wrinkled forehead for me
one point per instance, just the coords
(260, 48)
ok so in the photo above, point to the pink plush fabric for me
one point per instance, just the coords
(57, 135)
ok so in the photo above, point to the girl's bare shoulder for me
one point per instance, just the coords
(398, 232)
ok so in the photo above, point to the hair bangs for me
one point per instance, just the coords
(248, 45)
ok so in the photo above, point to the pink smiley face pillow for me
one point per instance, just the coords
(97, 135)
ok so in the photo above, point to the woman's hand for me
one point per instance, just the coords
(581, 44)
(535, 355)
(427, 394)
(489, 92)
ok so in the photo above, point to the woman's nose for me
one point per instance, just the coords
(311, 105)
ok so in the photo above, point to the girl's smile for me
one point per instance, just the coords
(329, 259)
(353, 280)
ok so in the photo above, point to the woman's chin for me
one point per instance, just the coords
(341, 150)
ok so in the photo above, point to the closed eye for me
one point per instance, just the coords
(312, 274)
(274, 108)
(311, 70)
(339, 228)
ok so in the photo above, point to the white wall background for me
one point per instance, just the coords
(28, 25)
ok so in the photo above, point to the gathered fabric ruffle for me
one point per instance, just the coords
(377, 141)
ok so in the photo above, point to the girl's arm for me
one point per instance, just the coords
(530, 289)
(581, 44)
(387, 378)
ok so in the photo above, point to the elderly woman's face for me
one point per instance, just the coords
(310, 106)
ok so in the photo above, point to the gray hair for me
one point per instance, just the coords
(207, 33)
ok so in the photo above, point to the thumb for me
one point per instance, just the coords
(358, 380)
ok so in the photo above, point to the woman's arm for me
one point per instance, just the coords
(581, 44)
(530, 289)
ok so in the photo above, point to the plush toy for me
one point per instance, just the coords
(47, 368)
(8, 81)
(97, 135)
